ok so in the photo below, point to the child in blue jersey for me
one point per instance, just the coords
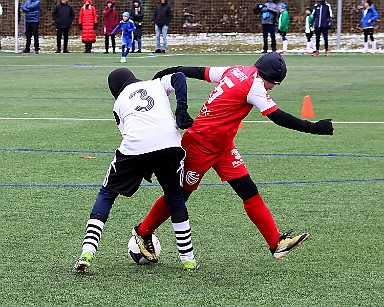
(127, 27)
(368, 17)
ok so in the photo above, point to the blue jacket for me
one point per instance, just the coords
(322, 15)
(371, 15)
(127, 28)
(31, 8)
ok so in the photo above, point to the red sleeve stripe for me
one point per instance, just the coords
(270, 110)
(206, 73)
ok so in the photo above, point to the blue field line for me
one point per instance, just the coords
(244, 155)
(93, 186)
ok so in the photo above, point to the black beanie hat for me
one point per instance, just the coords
(271, 67)
(119, 79)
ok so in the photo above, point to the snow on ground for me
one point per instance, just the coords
(207, 42)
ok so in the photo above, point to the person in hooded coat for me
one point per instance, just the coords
(111, 20)
(88, 22)
(31, 8)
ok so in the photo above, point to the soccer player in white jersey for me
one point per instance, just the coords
(151, 144)
(209, 143)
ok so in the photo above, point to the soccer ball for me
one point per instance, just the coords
(136, 255)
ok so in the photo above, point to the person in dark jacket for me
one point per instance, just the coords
(322, 19)
(269, 12)
(137, 15)
(368, 17)
(111, 20)
(31, 8)
(162, 18)
(63, 16)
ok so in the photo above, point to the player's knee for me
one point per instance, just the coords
(244, 187)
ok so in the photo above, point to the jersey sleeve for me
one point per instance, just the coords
(167, 84)
(214, 74)
(259, 97)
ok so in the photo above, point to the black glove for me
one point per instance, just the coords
(324, 127)
(164, 72)
(95, 26)
(80, 27)
(183, 120)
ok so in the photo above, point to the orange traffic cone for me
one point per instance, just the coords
(307, 109)
(241, 125)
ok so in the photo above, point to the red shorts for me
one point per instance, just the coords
(228, 163)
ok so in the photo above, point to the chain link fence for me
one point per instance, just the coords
(198, 16)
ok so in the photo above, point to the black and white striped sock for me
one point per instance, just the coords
(184, 240)
(92, 235)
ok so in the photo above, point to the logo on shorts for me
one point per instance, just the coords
(191, 177)
(238, 157)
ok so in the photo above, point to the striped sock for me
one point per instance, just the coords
(184, 240)
(92, 236)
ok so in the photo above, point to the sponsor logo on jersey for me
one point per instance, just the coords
(191, 177)
(239, 74)
(239, 160)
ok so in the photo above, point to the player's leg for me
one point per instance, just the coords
(169, 172)
(123, 52)
(123, 177)
(231, 168)
(317, 35)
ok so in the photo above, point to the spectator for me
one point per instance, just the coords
(111, 20)
(127, 27)
(88, 23)
(283, 26)
(322, 19)
(369, 15)
(309, 30)
(137, 15)
(162, 18)
(268, 23)
(63, 16)
(31, 8)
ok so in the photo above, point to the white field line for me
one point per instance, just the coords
(111, 119)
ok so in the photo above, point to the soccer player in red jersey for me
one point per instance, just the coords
(209, 143)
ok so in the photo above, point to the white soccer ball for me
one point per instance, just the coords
(136, 255)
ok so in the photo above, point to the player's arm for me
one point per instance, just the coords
(209, 74)
(177, 82)
(259, 97)
(286, 120)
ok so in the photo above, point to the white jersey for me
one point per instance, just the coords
(145, 118)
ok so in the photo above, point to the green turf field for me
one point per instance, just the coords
(331, 187)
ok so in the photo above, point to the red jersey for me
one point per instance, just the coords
(238, 89)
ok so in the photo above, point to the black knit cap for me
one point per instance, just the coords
(119, 79)
(271, 67)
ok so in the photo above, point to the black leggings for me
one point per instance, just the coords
(368, 31)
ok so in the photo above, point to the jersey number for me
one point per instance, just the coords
(219, 88)
(143, 96)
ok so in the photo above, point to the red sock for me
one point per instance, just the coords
(157, 216)
(261, 216)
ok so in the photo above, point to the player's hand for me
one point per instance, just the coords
(164, 72)
(324, 127)
(183, 119)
